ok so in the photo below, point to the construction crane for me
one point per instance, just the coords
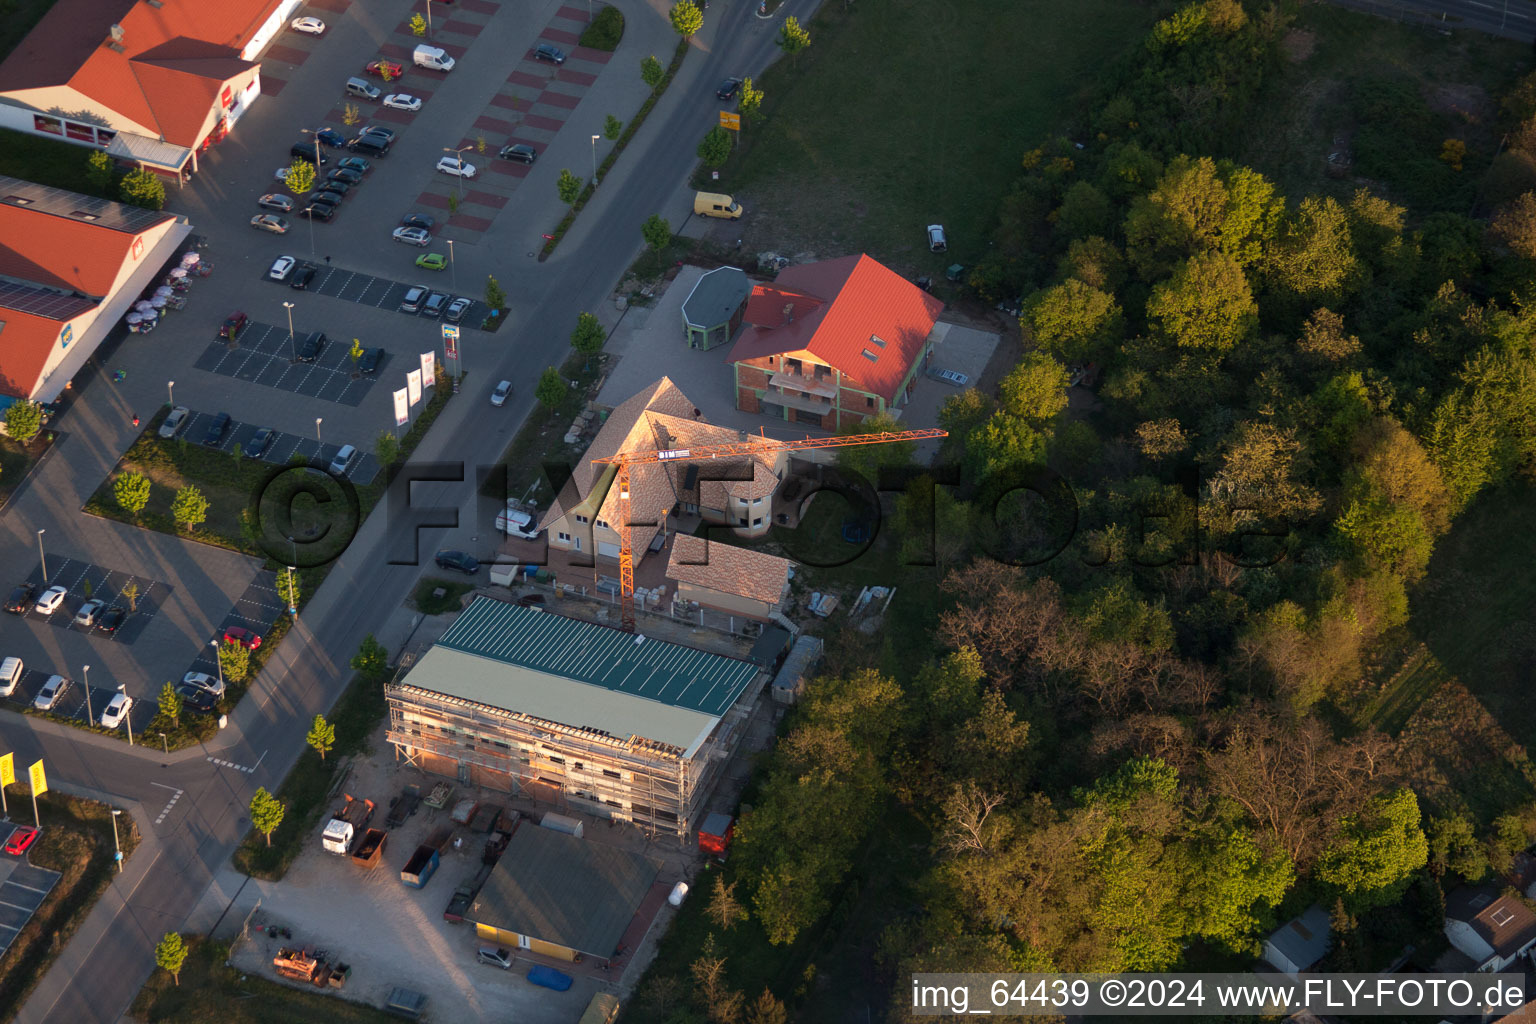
(761, 446)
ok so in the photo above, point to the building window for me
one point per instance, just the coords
(564, 536)
(613, 803)
(757, 501)
(581, 519)
(741, 521)
(602, 524)
(51, 125)
(869, 401)
(668, 816)
(557, 760)
(611, 774)
(758, 521)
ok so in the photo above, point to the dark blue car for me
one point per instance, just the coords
(460, 561)
(331, 137)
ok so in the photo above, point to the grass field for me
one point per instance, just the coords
(901, 113)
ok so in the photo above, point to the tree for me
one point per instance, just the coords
(1313, 255)
(170, 702)
(301, 177)
(1206, 305)
(568, 187)
(130, 594)
(1377, 852)
(588, 337)
(724, 909)
(387, 448)
(686, 18)
(1514, 226)
(652, 72)
(722, 1004)
(657, 234)
(1074, 322)
(322, 736)
(386, 75)
(23, 420)
(131, 490)
(1035, 390)
(266, 813)
(189, 508)
(234, 661)
(715, 147)
(418, 26)
(143, 188)
(99, 170)
(494, 296)
(750, 103)
(1161, 439)
(1323, 338)
(551, 388)
(480, 144)
(767, 1010)
(350, 115)
(171, 954)
(612, 126)
(1453, 847)
(792, 38)
(371, 659)
(355, 352)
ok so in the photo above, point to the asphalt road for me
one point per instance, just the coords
(196, 810)
(1511, 19)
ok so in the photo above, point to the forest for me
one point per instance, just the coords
(1142, 735)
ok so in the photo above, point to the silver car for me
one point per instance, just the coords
(174, 422)
(48, 696)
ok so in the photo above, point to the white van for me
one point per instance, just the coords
(516, 523)
(433, 57)
(10, 676)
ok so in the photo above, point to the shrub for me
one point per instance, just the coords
(605, 31)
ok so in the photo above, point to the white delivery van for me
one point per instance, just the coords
(433, 57)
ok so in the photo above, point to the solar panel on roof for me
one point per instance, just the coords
(43, 302)
(73, 206)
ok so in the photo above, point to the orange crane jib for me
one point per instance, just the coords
(624, 460)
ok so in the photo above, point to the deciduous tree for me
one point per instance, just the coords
(686, 18)
(1206, 305)
(1074, 322)
(588, 337)
(371, 659)
(569, 186)
(551, 388)
(321, 736)
(725, 910)
(23, 420)
(1376, 853)
(657, 234)
(171, 954)
(652, 72)
(236, 661)
(143, 188)
(170, 703)
(131, 491)
(792, 38)
(266, 813)
(715, 147)
(189, 508)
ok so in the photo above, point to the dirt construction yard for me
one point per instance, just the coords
(392, 935)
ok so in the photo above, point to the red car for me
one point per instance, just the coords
(378, 67)
(233, 325)
(242, 636)
(20, 840)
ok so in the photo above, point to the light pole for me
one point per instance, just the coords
(453, 271)
(293, 605)
(318, 421)
(459, 155)
(169, 393)
(295, 548)
(311, 219)
(40, 556)
(90, 715)
(594, 161)
(218, 661)
(291, 343)
(429, 19)
(127, 718)
(117, 845)
(166, 743)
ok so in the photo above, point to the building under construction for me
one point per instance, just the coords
(575, 713)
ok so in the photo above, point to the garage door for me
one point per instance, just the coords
(607, 550)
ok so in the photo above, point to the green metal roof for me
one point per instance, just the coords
(626, 663)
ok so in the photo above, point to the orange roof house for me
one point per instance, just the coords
(828, 344)
(151, 81)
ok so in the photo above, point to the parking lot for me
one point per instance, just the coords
(73, 703)
(22, 890)
(283, 448)
(379, 292)
(264, 356)
(256, 610)
(86, 581)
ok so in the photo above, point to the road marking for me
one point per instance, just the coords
(18, 906)
(260, 759)
(28, 887)
(230, 764)
(175, 795)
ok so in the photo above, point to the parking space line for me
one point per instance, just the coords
(11, 881)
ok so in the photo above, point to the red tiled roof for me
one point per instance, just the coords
(60, 253)
(840, 306)
(175, 57)
(28, 341)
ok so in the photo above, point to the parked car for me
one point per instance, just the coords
(175, 422)
(48, 696)
(331, 137)
(500, 392)
(553, 54)
(196, 699)
(88, 612)
(936, 240)
(233, 325)
(330, 195)
(343, 460)
(432, 261)
(311, 347)
(11, 671)
(303, 276)
(281, 176)
(728, 89)
(496, 956)
(273, 201)
(318, 211)
(353, 163)
(281, 268)
(521, 152)
(412, 300)
(370, 360)
(403, 101)
(459, 561)
(204, 681)
(216, 430)
(379, 67)
(412, 236)
(270, 222)
(954, 377)
(21, 598)
(418, 220)
(456, 167)
(21, 840)
(112, 619)
(370, 144)
(242, 636)
(260, 441)
(50, 601)
(309, 26)
(434, 305)
(345, 176)
(548, 977)
(456, 309)
(378, 131)
(116, 711)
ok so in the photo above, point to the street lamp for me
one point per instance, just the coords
(453, 271)
(166, 743)
(429, 19)
(218, 661)
(311, 219)
(459, 155)
(122, 688)
(594, 161)
(318, 421)
(90, 715)
(295, 548)
(291, 343)
(293, 605)
(115, 843)
(169, 393)
(40, 556)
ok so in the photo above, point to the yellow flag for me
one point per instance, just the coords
(8, 770)
(39, 780)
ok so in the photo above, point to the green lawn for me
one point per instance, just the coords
(16, 462)
(428, 603)
(900, 114)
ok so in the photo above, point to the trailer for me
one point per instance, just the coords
(464, 896)
(501, 836)
(485, 818)
(439, 797)
(418, 871)
(403, 806)
(370, 849)
(464, 811)
(349, 821)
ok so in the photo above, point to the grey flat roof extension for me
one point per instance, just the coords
(716, 297)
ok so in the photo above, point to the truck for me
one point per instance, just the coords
(434, 57)
(370, 849)
(423, 864)
(465, 895)
(346, 824)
